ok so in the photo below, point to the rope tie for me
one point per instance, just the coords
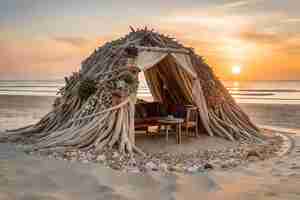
(104, 111)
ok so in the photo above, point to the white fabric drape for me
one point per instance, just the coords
(184, 61)
(152, 78)
(148, 59)
(200, 101)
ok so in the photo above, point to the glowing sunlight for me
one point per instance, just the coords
(236, 70)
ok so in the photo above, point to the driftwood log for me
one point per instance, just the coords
(96, 106)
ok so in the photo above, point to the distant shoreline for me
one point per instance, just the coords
(18, 111)
(244, 92)
(149, 98)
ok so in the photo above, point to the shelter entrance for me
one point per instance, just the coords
(171, 83)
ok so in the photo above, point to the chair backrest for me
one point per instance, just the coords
(191, 113)
(151, 109)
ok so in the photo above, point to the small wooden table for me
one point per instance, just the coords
(172, 122)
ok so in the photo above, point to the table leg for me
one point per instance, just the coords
(176, 133)
(167, 133)
(179, 133)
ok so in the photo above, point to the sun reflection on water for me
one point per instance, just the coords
(236, 86)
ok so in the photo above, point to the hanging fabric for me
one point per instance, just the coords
(148, 59)
(184, 61)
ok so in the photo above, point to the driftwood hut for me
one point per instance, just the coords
(97, 105)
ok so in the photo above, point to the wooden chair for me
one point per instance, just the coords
(191, 121)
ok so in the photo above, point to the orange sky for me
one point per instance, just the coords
(49, 40)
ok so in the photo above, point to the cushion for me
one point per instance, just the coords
(177, 110)
(152, 109)
(140, 111)
(162, 110)
(155, 109)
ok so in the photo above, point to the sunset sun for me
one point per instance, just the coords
(236, 70)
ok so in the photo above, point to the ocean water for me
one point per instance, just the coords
(265, 92)
(30, 87)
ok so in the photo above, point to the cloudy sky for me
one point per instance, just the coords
(47, 39)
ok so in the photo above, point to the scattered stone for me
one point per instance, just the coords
(177, 168)
(115, 155)
(192, 169)
(253, 158)
(253, 153)
(73, 154)
(133, 170)
(151, 166)
(115, 167)
(163, 167)
(193, 162)
(208, 166)
(101, 158)
(132, 162)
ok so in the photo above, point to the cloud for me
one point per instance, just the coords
(37, 58)
(260, 37)
(291, 20)
(289, 47)
(236, 4)
(44, 57)
(73, 41)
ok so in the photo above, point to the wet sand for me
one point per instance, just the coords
(280, 115)
(17, 111)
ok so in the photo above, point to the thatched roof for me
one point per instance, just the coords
(103, 119)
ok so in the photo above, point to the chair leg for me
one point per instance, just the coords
(167, 133)
(179, 134)
(159, 129)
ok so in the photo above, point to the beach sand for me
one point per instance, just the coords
(257, 181)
